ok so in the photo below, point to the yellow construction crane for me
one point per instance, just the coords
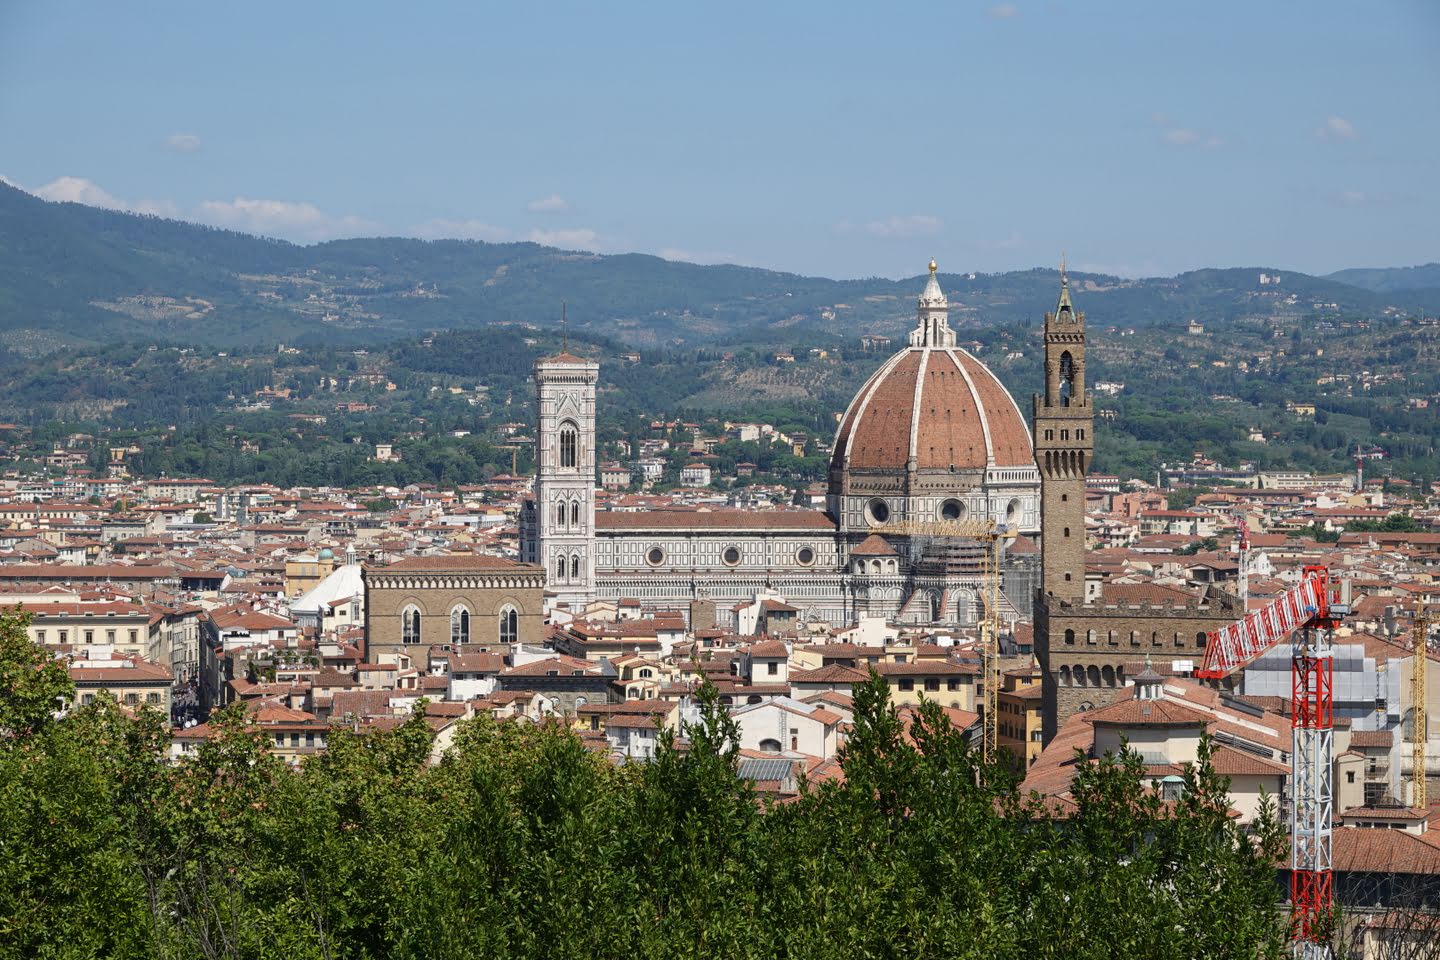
(989, 534)
(1419, 721)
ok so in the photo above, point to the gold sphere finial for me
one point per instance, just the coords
(932, 265)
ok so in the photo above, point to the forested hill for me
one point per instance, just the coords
(72, 274)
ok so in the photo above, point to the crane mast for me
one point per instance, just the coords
(1307, 613)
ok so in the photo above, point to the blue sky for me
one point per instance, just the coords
(840, 139)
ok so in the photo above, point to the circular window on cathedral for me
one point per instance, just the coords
(805, 556)
(877, 511)
(1012, 511)
(655, 556)
(952, 510)
(731, 556)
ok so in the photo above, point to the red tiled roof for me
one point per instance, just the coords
(1147, 713)
(458, 562)
(873, 546)
(959, 398)
(712, 519)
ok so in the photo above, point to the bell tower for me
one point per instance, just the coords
(1063, 427)
(564, 504)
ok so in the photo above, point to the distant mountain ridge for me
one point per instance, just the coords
(83, 275)
(1391, 279)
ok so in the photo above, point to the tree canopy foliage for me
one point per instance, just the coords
(522, 843)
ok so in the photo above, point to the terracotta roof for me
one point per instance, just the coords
(770, 648)
(873, 546)
(928, 668)
(712, 519)
(458, 562)
(1372, 738)
(1231, 762)
(1386, 813)
(1361, 850)
(834, 673)
(963, 418)
(1144, 593)
(564, 357)
(1148, 713)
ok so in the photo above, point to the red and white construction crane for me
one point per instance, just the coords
(1308, 614)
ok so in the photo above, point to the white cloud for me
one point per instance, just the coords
(472, 229)
(1003, 11)
(1183, 137)
(1336, 128)
(1352, 197)
(696, 256)
(79, 190)
(182, 143)
(554, 203)
(575, 238)
(913, 225)
(282, 218)
(91, 194)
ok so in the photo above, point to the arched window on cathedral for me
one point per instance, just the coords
(1070, 637)
(1067, 378)
(410, 625)
(575, 513)
(559, 569)
(509, 624)
(560, 513)
(460, 624)
(575, 567)
(569, 444)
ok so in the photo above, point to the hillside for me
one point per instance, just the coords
(77, 275)
(1391, 279)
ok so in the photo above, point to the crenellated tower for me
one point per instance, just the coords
(1064, 442)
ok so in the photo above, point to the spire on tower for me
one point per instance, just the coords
(1064, 307)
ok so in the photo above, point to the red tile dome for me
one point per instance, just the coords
(937, 406)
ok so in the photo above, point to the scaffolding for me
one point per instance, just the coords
(969, 549)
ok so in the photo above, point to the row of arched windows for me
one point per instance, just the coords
(567, 513)
(1092, 676)
(508, 632)
(572, 564)
(1092, 637)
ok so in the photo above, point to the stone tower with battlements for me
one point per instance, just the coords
(1088, 645)
(1064, 440)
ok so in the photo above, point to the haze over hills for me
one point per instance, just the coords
(74, 274)
(1391, 279)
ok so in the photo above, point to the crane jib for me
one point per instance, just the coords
(1236, 644)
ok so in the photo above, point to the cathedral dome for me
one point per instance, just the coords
(932, 406)
(933, 435)
(938, 409)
